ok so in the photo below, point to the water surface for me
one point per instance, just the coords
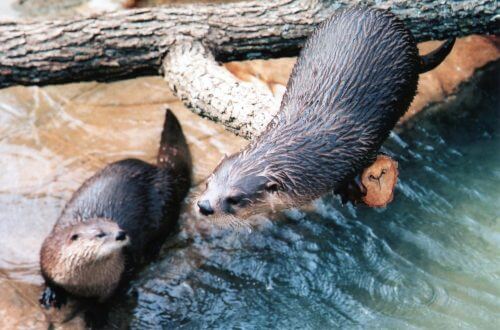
(430, 259)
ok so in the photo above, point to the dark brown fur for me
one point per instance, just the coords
(354, 79)
(130, 195)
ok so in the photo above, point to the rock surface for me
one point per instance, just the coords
(55, 137)
(468, 54)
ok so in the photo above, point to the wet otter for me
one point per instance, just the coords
(117, 219)
(355, 77)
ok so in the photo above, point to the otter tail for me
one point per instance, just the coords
(174, 151)
(434, 58)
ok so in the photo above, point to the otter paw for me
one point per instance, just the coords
(51, 298)
(353, 191)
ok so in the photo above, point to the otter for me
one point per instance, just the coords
(355, 77)
(115, 221)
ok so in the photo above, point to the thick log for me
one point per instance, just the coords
(130, 43)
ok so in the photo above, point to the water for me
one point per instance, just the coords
(430, 259)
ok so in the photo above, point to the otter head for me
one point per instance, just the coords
(236, 191)
(86, 258)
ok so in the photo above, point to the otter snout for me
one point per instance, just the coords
(121, 236)
(205, 207)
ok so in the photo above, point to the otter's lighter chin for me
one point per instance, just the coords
(228, 221)
(111, 248)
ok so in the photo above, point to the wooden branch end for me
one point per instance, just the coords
(380, 181)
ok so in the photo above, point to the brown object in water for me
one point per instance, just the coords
(380, 180)
(129, 3)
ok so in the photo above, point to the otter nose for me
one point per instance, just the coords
(121, 236)
(205, 207)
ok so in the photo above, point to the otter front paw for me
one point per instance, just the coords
(374, 186)
(52, 298)
(353, 191)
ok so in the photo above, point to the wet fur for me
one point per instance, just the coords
(140, 198)
(355, 77)
(71, 261)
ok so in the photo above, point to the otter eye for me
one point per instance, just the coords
(74, 237)
(100, 235)
(234, 200)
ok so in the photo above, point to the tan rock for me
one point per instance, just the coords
(468, 55)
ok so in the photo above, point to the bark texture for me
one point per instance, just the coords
(210, 90)
(130, 43)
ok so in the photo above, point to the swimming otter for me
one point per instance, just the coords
(115, 220)
(355, 77)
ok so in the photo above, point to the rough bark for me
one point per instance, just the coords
(210, 90)
(133, 42)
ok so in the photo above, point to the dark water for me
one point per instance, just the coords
(431, 259)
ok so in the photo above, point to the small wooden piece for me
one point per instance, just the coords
(380, 180)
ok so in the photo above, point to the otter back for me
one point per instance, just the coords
(354, 79)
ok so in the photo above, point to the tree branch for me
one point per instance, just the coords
(210, 90)
(131, 43)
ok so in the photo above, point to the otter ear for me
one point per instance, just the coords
(252, 184)
(271, 186)
(268, 184)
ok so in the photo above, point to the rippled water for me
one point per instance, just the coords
(431, 259)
